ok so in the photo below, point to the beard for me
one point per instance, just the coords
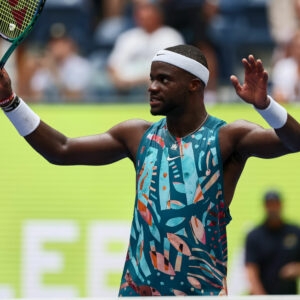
(163, 109)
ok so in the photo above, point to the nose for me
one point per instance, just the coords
(153, 86)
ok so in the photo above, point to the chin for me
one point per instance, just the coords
(157, 112)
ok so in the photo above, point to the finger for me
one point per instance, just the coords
(246, 64)
(265, 76)
(251, 58)
(253, 63)
(235, 82)
(259, 66)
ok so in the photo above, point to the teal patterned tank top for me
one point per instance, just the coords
(178, 243)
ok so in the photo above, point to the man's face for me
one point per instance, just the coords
(148, 17)
(169, 89)
(273, 209)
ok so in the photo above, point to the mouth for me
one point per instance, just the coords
(154, 103)
(155, 100)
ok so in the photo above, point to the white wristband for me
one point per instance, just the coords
(275, 114)
(23, 118)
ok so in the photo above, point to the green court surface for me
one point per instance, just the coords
(33, 189)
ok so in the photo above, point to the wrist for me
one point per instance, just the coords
(12, 105)
(274, 114)
(265, 105)
(21, 116)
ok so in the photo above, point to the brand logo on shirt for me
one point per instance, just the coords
(172, 158)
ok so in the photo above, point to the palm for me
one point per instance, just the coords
(254, 88)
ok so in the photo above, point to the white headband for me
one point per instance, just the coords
(183, 62)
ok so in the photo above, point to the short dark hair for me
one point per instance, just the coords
(190, 51)
(272, 195)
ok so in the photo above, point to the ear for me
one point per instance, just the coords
(195, 85)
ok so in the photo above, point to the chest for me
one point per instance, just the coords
(178, 172)
(285, 244)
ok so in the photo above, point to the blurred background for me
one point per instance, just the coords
(102, 36)
(85, 67)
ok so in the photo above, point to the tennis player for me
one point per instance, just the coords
(187, 168)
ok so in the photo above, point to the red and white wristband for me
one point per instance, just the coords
(20, 114)
(8, 101)
(275, 114)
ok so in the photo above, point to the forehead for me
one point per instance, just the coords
(158, 67)
(272, 203)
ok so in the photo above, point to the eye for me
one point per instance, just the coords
(164, 79)
(160, 79)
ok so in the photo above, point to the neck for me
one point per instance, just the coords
(187, 126)
(274, 223)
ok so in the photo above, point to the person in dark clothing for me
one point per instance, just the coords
(273, 252)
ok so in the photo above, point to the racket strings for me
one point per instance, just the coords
(15, 19)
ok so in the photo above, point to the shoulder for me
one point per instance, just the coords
(133, 125)
(213, 123)
(130, 133)
(232, 134)
(170, 33)
(284, 66)
(130, 34)
(239, 125)
(285, 62)
(255, 233)
(239, 129)
(293, 228)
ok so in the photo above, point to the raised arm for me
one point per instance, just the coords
(119, 142)
(254, 91)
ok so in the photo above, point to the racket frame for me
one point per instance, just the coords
(15, 42)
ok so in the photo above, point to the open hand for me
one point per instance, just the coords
(254, 88)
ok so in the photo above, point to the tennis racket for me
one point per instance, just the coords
(17, 19)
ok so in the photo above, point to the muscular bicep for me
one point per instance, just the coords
(247, 139)
(239, 141)
(98, 149)
(118, 142)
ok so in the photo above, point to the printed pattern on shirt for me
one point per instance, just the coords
(178, 243)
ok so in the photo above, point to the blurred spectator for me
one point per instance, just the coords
(272, 255)
(284, 21)
(285, 73)
(113, 8)
(192, 18)
(128, 63)
(75, 15)
(237, 28)
(60, 72)
(115, 18)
